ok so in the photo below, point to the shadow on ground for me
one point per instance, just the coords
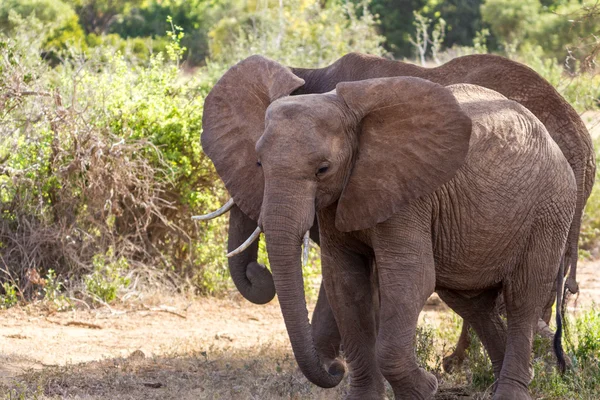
(270, 373)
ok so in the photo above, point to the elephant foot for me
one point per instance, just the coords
(372, 392)
(364, 395)
(511, 392)
(454, 360)
(371, 387)
(420, 385)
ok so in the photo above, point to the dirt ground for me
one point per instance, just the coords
(173, 348)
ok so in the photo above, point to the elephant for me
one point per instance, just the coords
(514, 80)
(416, 187)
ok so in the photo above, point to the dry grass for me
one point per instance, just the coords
(268, 372)
(221, 349)
(208, 348)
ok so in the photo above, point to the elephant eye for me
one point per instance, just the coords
(259, 163)
(322, 169)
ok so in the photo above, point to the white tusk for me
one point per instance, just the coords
(226, 207)
(247, 243)
(306, 243)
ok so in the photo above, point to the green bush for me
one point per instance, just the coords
(510, 20)
(9, 297)
(97, 154)
(53, 292)
(52, 12)
(106, 280)
(297, 33)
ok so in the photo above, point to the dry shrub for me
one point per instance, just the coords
(96, 191)
(80, 183)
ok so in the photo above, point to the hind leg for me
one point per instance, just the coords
(458, 355)
(481, 312)
(527, 291)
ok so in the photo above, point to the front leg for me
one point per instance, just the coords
(347, 278)
(406, 272)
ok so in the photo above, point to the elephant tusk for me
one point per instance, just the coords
(247, 243)
(226, 207)
(306, 242)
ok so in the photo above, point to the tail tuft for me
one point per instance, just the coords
(558, 349)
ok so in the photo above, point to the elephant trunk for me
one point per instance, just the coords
(252, 279)
(284, 224)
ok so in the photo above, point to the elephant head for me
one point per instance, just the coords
(367, 149)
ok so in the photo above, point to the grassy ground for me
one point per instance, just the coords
(177, 348)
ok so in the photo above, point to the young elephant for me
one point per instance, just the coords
(454, 189)
(513, 80)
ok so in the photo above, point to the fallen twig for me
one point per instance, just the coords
(166, 309)
(83, 324)
(75, 323)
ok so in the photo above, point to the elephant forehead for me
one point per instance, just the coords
(318, 111)
(305, 124)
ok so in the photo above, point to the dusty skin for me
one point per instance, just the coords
(166, 348)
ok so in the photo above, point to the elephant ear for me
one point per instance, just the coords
(233, 121)
(413, 137)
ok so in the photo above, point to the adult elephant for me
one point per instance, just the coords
(514, 80)
(455, 189)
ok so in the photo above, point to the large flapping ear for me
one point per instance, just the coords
(234, 120)
(413, 137)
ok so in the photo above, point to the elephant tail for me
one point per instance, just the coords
(558, 349)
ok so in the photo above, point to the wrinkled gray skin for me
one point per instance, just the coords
(509, 78)
(457, 189)
(255, 283)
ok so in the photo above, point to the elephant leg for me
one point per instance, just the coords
(526, 293)
(481, 312)
(326, 334)
(543, 328)
(347, 279)
(458, 355)
(406, 280)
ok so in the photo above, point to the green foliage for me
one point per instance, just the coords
(510, 19)
(582, 346)
(175, 50)
(9, 297)
(425, 347)
(68, 36)
(98, 15)
(296, 33)
(100, 153)
(587, 351)
(53, 292)
(107, 277)
(480, 371)
(211, 271)
(463, 18)
(52, 12)
(396, 23)
(195, 17)
(311, 272)
(590, 226)
(583, 349)
(563, 29)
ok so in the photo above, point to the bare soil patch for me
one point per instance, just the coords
(179, 349)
